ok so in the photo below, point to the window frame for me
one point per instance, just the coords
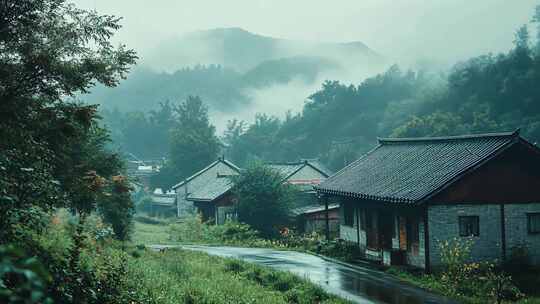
(476, 222)
(530, 216)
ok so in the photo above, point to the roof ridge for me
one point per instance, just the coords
(286, 163)
(382, 140)
(211, 165)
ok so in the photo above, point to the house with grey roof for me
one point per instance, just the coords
(400, 200)
(304, 174)
(198, 192)
(213, 198)
(162, 204)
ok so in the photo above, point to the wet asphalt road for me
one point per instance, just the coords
(358, 284)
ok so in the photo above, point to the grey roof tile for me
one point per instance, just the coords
(164, 200)
(213, 189)
(409, 170)
(219, 160)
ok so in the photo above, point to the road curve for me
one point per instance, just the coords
(358, 284)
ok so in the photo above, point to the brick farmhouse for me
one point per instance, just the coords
(407, 195)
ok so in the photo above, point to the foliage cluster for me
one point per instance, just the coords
(194, 230)
(466, 280)
(339, 249)
(463, 278)
(263, 199)
(50, 266)
(53, 151)
(185, 132)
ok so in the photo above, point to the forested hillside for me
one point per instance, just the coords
(488, 93)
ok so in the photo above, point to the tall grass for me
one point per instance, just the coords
(178, 276)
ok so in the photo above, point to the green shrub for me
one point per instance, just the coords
(462, 278)
(339, 249)
(23, 279)
(264, 201)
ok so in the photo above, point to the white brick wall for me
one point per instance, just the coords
(349, 233)
(516, 230)
(444, 225)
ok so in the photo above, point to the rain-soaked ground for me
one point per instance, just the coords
(358, 284)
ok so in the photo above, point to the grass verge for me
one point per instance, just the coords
(183, 276)
(431, 283)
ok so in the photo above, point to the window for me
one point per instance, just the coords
(533, 223)
(469, 226)
(348, 214)
(231, 215)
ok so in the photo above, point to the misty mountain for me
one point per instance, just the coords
(224, 66)
(242, 50)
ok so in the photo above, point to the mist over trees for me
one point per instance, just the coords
(339, 122)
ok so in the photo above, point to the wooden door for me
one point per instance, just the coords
(402, 233)
(371, 230)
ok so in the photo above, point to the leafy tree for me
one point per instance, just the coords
(193, 143)
(22, 279)
(53, 151)
(193, 139)
(50, 50)
(118, 208)
(264, 200)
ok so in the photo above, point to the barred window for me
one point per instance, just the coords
(533, 223)
(469, 226)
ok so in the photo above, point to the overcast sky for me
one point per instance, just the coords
(402, 30)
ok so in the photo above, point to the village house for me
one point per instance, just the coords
(407, 195)
(198, 192)
(214, 200)
(162, 203)
(304, 175)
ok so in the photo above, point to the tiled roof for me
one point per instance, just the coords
(212, 190)
(286, 169)
(313, 209)
(164, 200)
(289, 169)
(411, 170)
(219, 160)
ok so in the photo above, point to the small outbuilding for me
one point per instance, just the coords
(403, 198)
(313, 219)
(199, 192)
